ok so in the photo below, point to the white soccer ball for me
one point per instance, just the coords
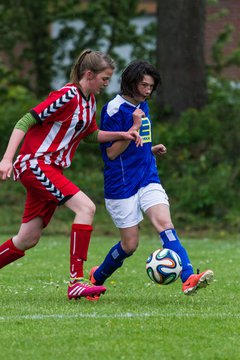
(164, 266)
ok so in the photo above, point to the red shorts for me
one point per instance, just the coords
(47, 188)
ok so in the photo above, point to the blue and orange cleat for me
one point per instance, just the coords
(91, 274)
(93, 281)
(197, 281)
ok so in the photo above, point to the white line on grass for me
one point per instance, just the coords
(116, 316)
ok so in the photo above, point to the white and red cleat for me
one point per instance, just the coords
(197, 281)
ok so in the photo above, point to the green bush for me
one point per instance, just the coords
(202, 167)
(15, 101)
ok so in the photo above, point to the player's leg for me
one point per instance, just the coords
(27, 237)
(159, 216)
(29, 234)
(55, 189)
(32, 221)
(84, 210)
(116, 255)
(126, 214)
(52, 188)
(154, 202)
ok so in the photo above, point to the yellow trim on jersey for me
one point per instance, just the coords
(145, 130)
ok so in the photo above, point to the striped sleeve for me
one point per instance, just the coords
(59, 105)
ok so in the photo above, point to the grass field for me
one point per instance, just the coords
(135, 319)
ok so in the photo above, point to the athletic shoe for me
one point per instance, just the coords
(93, 281)
(197, 281)
(91, 274)
(81, 287)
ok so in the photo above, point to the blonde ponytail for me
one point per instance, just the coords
(95, 61)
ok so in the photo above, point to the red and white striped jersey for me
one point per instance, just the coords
(64, 118)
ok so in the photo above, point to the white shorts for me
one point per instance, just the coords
(128, 212)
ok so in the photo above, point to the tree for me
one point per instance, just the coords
(26, 38)
(30, 48)
(180, 54)
(107, 25)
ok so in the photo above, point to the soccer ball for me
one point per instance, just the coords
(164, 266)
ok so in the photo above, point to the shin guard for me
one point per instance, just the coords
(9, 253)
(80, 239)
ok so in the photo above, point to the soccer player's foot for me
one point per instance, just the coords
(197, 281)
(91, 275)
(93, 281)
(81, 287)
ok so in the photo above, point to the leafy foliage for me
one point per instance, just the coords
(112, 28)
(202, 168)
(15, 101)
(219, 59)
(36, 54)
(27, 42)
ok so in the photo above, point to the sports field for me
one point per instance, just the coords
(135, 319)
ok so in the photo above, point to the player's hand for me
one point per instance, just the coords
(159, 149)
(138, 139)
(133, 135)
(138, 114)
(5, 169)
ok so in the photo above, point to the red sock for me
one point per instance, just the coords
(80, 238)
(9, 253)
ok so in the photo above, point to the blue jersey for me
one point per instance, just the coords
(136, 166)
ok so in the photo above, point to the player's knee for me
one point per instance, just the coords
(131, 248)
(34, 239)
(91, 209)
(27, 242)
(165, 225)
(86, 211)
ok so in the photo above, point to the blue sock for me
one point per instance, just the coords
(111, 263)
(171, 241)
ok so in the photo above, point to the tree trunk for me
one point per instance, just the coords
(180, 54)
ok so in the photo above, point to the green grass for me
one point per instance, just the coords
(135, 319)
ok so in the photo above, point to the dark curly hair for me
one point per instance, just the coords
(133, 75)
